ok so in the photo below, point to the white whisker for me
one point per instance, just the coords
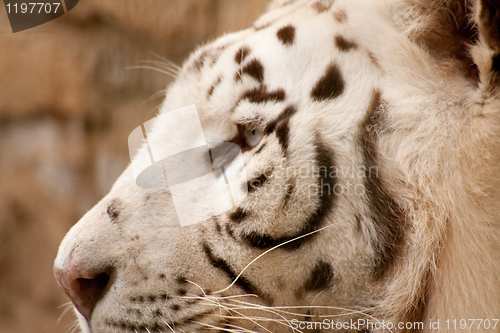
(173, 65)
(237, 329)
(154, 69)
(157, 94)
(283, 322)
(307, 307)
(68, 306)
(204, 294)
(247, 318)
(199, 287)
(74, 326)
(162, 65)
(170, 327)
(252, 319)
(64, 304)
(267, 251)
(281, 309)
(225, 118)
(265, 308)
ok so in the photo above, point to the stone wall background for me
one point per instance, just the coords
(67, 105)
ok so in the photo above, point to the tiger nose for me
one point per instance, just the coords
(84, 287)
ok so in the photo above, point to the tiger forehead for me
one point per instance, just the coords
(282, 29)
(252, 76)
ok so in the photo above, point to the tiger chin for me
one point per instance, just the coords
(370, 135)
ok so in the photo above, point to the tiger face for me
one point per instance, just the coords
(369, 134)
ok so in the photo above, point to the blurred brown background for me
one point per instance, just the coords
(67, 105)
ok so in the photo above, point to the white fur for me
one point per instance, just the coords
(439, 155)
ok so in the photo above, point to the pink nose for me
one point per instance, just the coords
(83, 288)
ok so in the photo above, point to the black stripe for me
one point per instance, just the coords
(282, 133)
(330, 85)
(321, 277)
(255, 69)
(385, 212)
(241, 54)
(358, 222)
(322, 6)
(264, 242)
(260, 149)
(344, 45)
(495, 64)
(218, 228)
(282, 126)
(257, 182)
(285, 115)
(262, 95)
(238, 215)
(214, 85)
(286, 35)
(324, 161)
(242, 282)
(289, 188)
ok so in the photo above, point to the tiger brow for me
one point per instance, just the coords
(254, 121)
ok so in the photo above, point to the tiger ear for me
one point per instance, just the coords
(464, 35)
(486, 53)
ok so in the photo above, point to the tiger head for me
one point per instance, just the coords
(370, 139)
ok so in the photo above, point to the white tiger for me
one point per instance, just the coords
(393, 109)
